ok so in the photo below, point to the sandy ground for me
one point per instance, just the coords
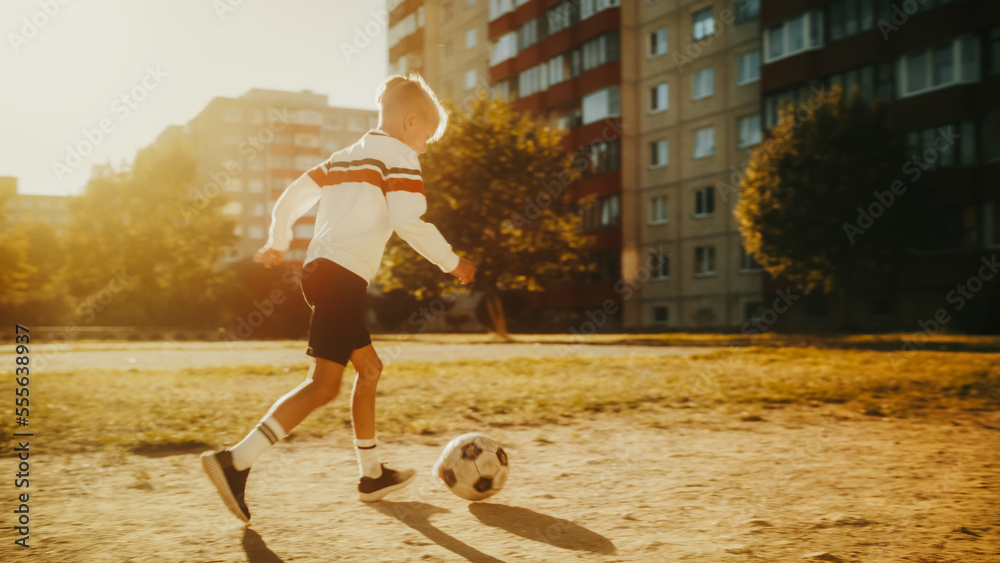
(707, 487)
(799, 483)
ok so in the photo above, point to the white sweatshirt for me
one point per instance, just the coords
(365, 192)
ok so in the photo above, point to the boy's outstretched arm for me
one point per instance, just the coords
(406, 206)
(297, 198)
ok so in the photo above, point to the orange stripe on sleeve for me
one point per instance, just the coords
(404, 185)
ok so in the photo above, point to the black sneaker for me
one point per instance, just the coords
(390, 480)
(230, 482)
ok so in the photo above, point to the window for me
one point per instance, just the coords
(601, 157)
(446, 11)
(281, 161)
(991, 224)
(333, 122)
(994, 50)
(527, 34)
(869, 81)
(256, 232)
(704, 83)
(659, 100)
(955, 62)
(405, 27)
(991, 136)
(660, 315)
(562, 16)
(704, 202)
(940, 147)
(559, 69)
(306, 140)
(660, 265)
(599, 50)
(658, 211)
(258, 210)
(531, 81)
(750, 133)
(234, 185)
(601, 104)
(704, 25)
(256, 116)
(752, 310)
(233, 115)
(500, 7)
(605, 212)
(747, 263)
(255, 186)
(793, 36)
(505, 48)
(232, 209)
(850, 17)
(309, 117)
(470, 38)
(470, 79)
(658, 42)
(590, 7)
(610, 211)
(704, 142)
(704, 260)
(748, 68)
(355, 124)
(304, 162)
(658, 152)
(747, 10)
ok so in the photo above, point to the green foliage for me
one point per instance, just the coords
(15, 268)
(486, 191)
(803, 188)
(130, 226)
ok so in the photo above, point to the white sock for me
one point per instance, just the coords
(267, 433)
(368, 462)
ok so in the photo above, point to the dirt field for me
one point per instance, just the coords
(785, 482)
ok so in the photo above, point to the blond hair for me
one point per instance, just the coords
(410, 92)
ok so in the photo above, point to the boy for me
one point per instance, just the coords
(365, 192)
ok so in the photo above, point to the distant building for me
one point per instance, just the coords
(28, 208)
(938, 62)
(252, 147)
(691, 113)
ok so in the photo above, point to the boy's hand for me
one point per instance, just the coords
(269, 256)
(465, 271)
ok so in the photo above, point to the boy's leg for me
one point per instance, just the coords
(376, 480)
(228, 469)
(322, 384)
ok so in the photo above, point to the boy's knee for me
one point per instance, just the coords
(323, 394)
(370, 371)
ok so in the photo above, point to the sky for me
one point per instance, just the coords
(70, 67)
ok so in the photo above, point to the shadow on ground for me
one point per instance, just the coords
(541, 527)
(417, 516)
(256, 550)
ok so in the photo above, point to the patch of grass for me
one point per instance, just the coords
(154, 411)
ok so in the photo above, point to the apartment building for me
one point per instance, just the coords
(29, 208)
(252, 147)
(938, 62)
(691, 116)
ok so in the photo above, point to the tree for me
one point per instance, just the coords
(133, 238)
(15, 269)
(497, 189)
(826, 202)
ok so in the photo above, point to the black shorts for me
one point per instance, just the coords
(337, 297)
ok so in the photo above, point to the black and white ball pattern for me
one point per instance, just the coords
(474, 466)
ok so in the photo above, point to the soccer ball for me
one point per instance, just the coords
(474, 466)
